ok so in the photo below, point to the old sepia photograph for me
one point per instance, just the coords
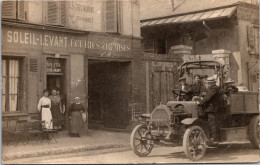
(129, 81)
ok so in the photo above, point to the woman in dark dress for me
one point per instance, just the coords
(56, 109)
(75, 115)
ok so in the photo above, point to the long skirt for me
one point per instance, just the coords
(46, 116)
(76, 122)
(57, 116)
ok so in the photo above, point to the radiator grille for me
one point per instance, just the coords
(160, 114)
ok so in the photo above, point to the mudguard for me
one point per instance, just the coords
(199, 122)
(189, 121)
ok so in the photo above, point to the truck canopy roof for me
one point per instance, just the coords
(200, 65)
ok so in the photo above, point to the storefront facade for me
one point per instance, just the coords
(83, 61)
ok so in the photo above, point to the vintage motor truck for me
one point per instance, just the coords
(191, 131)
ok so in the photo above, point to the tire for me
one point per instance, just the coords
(141, 140)
(254, 132)
(194, 143)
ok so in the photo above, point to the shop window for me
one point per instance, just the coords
(10, 84)
(113, 16)
(56, 13)
(14, 9)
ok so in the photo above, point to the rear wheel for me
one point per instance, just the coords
(254, 130)
(141, 141)
(194, 143)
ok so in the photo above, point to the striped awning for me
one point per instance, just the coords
(195, 17)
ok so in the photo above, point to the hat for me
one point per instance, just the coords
(77, 98)
(211, 79)
(182, 78)
(197, 75)
(229, 80)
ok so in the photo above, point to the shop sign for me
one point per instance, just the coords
(60, 41)
(54, 65)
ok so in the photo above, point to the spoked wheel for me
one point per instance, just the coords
(254, 131)
(194, 143)
(141, 141)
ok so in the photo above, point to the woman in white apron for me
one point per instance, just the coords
(44, 107)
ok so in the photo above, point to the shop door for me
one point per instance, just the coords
(108, 91)
(56, 75)
(55, 81)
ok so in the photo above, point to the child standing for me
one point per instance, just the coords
(44, 107)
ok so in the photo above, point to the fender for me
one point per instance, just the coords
(199, 122)
(189, 121)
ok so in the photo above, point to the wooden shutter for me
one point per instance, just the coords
(52, 12)
(33, 65)
(56, 13)
(21, 10)
(33, 85)
(9, 9)
(63, 13)
(110, 18)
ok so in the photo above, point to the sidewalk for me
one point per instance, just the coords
(91, 140)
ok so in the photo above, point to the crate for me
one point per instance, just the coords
(244, 103)
(232, 134)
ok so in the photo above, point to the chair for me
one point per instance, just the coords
(36, 130)
(50, 132)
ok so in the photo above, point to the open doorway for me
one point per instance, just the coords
(55, 81)
(109, 91)
(56, 74)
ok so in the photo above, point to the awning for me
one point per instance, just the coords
(195, 17)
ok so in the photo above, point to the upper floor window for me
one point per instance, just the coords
(15, 9)
(56, 13)
(113, 16)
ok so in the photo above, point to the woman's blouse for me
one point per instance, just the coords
(44, 101)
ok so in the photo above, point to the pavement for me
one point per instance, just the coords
(88, 141)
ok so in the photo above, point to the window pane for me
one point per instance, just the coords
(13, 84)
(3, 84)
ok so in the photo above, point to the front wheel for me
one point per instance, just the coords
(254, 130)
(194, 143)
(141, 140)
